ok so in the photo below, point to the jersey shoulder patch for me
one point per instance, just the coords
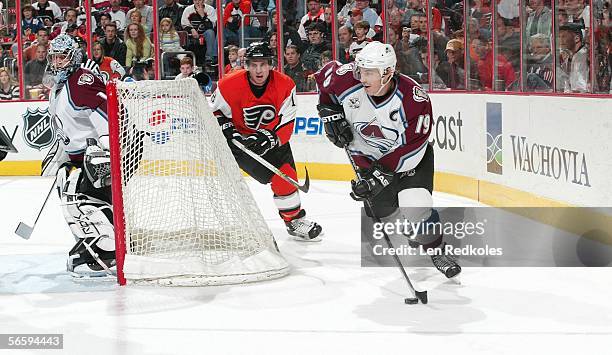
(335, 78)
(411, 90)
(86, 90)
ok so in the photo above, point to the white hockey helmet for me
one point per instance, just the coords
(64, 56)
(376, 55)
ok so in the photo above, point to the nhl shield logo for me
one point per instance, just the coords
(38, 132)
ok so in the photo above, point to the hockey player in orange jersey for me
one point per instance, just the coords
(257, 107)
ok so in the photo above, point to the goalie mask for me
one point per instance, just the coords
(64, 57)
(376, 55)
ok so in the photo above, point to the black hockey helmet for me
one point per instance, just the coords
(259, 50)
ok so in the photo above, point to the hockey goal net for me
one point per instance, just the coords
(183, 213)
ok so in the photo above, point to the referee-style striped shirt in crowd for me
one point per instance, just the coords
(11, 94)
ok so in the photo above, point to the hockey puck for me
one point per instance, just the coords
(411, 300)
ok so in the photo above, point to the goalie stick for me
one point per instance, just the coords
(420, 295)
(304, 188)
(25, 231)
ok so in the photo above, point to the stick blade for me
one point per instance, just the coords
(422, 296)
(306, 186)
(24, 231)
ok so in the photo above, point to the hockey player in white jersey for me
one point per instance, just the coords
(383, 119)
(80, 157)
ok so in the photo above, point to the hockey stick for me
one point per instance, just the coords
(420, 295)
(25, 231)
(262, 161)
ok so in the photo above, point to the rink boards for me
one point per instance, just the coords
(505, 150)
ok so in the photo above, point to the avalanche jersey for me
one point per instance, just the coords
(275, 110)
(393, 132)
(78, 108)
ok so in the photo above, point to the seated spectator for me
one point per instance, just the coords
(241, 58)
(505, 72)
(572, 43)
(317, 45)
(103, 19)
(539, 64)
(234, 63)
(578, 12)
(42, 37)
(118, 16)
(70, 18)
(327, 14)
(35, 69)
(452, 71)
(357, 16)
(29, 24)
(232, 21)
(326, 57)
(539, 20)
(315, 13)
(345, 39)
(8, 90)
(169, 40)
(49, 10)
(113, 46)
(200, 21)
(139, 71)
(187, 69)
(146, 14)
(173, 11)
(4, 54)
(295, 69)
(290, 35)
(509, 42)
(369, 14)
(361, 40)
(109, 67)
(139, 46)
(270, 39)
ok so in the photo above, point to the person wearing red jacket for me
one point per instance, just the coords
(232, 21)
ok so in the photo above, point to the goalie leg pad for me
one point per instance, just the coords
(87, 216)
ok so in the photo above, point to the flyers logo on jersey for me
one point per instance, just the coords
(257, 116)
(376, 136)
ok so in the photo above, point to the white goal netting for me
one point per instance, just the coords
(189, 217)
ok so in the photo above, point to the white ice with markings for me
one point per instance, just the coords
(328, 304)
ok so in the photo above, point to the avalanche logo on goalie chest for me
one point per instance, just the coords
(38, 132)
(257, 116)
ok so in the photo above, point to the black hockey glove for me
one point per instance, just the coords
(230, 132)
(371, 182)
(337, 128)
(261, 141)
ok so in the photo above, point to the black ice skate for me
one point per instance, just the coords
(446, 264)
(304, 229)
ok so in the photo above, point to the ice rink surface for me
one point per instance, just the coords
(328, 304)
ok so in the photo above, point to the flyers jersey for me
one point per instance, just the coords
(393, 130)
(274, 110)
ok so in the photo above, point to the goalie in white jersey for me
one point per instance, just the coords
(80, 157)
(383, 119)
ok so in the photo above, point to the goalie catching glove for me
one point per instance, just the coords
(370, 182)
(261, 141)
(97, 164)
(337, 128)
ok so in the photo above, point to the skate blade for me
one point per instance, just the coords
(316, 239)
